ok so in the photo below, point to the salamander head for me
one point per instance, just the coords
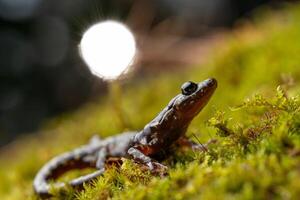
(174, 120)
(193, 97)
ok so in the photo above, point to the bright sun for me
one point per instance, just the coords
(108, 48)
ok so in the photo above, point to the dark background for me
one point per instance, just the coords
(41, 73)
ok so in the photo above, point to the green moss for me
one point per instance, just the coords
(256, 124)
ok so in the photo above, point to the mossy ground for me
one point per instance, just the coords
(256, 123)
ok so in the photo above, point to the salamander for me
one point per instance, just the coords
(167, 129)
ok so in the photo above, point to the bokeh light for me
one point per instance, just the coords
(108, 48)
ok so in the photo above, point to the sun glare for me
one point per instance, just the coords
(108, 48)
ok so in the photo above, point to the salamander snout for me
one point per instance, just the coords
(211, 82)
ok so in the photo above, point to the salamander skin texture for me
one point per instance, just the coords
(167, 129)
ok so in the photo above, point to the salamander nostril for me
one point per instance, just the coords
(211, 82)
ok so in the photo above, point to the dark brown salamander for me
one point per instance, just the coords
(167, 129)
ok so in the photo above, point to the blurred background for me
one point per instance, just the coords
(42, 74)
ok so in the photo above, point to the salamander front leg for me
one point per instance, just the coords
(142, 158)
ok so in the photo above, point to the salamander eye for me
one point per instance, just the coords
(188, 88)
